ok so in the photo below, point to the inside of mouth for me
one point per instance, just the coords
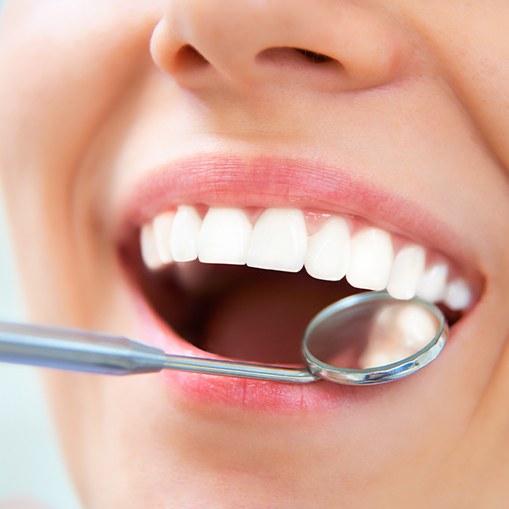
(240, 312)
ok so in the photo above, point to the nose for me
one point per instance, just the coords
(329, 46)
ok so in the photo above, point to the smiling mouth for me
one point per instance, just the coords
(243, 282)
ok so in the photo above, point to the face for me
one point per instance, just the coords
(358, 137)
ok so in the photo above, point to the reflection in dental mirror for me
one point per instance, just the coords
(396, 332)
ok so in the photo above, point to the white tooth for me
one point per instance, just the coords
(458, 295)
(148, 247)
(397, 332)
(415, 326)
(433, 283)
(162, 231)
(224, 237)
(329, 250)
(278, 241)
(184, 234)
(406, 272)
(371, 255)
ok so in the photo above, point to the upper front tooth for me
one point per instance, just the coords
(224, 236)
(329, 250)
(162, 230)
(371, 255)
(148, 247)
(184, 234)
(278, 241)
(433, 283)
(406, 272)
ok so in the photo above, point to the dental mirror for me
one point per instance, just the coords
(371, 338)
(367, 338)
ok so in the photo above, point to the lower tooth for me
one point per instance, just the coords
(433, 283)
(371, 255)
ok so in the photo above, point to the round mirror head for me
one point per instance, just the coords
(373, 338)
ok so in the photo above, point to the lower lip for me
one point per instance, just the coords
(250, 394)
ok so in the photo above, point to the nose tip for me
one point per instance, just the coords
(315, 44)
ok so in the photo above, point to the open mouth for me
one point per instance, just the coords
(243, 283)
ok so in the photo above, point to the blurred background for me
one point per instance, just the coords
(30, 462)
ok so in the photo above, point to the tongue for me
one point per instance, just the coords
(264, 321)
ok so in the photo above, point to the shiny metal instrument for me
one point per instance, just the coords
(367, 338)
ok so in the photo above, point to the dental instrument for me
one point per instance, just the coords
(364, 339)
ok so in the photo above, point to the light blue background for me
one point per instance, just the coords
(30, 463)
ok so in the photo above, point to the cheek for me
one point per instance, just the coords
(472, 43)
(484, 90)
(63, 66)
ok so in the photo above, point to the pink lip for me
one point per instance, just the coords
(264, 182)
(237, 392)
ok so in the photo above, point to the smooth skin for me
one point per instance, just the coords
(95, 93)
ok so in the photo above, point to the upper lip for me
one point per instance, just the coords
(217, 180)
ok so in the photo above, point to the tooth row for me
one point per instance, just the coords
(279, 241)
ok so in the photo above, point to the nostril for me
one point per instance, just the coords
(189, 57)
(296, 57)
(315, 58)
